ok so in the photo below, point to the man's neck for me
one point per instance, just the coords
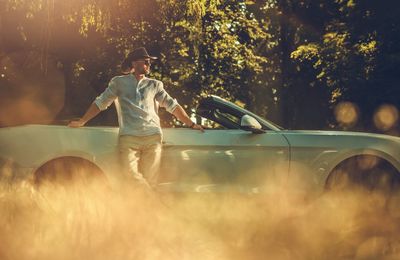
(139, 76)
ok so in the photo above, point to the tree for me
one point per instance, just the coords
(351, 56)
(283, 59)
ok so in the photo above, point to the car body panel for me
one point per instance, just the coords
(222, 157)
(217, 158)
(319, 152)
(34, 145)
(214, 157)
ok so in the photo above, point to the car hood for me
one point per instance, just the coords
(343, 140)
(340, 133)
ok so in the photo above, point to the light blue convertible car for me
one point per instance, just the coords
(240, 150)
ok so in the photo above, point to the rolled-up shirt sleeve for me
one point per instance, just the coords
(164, 99)
(105, 99)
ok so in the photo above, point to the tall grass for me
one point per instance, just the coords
(91, 223)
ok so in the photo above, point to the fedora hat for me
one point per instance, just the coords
(139, 53)
(136, 54)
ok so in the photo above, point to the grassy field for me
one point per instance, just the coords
(91, 223)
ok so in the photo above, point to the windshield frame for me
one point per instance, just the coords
(213, 102)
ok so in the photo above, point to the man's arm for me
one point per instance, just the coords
(101, 103)
(92, 111)
(182, 116)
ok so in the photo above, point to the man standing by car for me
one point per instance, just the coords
(137, 99)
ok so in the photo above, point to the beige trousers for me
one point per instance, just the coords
(140, 158)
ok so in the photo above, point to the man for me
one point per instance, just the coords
(137, 99)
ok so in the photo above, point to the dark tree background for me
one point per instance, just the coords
(303, 64)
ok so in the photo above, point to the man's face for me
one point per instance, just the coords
(142, 66)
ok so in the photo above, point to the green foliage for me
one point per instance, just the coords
(283, 59)
(347, 56)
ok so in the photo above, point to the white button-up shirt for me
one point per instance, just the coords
(137, 104)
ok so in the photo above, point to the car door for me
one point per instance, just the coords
(218, 159)
(223, 157)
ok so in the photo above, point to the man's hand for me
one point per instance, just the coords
(76, 123)
(92, 111)
(182, 116)
(198, 127)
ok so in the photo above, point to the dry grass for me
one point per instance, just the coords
(84, 223)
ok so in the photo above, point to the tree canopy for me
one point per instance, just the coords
(303, 64)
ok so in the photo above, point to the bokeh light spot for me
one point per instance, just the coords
(346, 113)
(367, 162)
(386, 117)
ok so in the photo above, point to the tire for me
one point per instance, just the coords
(366, 172)
(69, 172)
(365, 188)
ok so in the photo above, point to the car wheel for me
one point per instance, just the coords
(366, 172)
(70, 172)
(365, 188)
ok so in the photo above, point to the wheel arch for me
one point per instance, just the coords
(372, 152)
(81, 159)
(341, 161)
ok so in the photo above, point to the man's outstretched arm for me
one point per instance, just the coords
(182, 116)
(92, 111)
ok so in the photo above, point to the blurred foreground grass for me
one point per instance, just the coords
(87, 222)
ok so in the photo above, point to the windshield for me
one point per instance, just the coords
(229, 114)
(262, 120)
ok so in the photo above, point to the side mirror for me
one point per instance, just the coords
(249, 123)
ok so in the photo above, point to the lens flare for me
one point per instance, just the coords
(386, 117)
(29, 94)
